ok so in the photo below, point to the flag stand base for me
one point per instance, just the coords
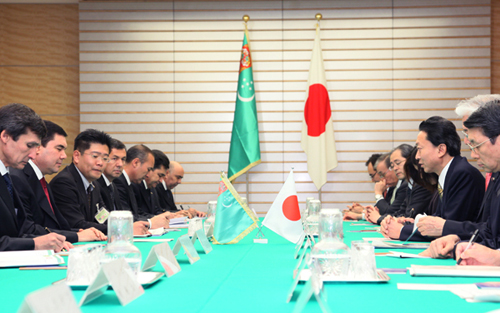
(260, 240)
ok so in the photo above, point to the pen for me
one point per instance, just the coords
(471, 241)
(182, 208)
(48, 231)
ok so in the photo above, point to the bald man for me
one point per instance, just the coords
(174, 176)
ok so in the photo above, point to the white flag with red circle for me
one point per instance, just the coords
(318, 140)
(283, 217)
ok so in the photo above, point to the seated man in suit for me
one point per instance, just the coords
(175, 174)
(370, 167)
(75, 193)
(461, 186)
(113, 170)
(139, 162)
(21, 131)
(391, 201)
(36, 194)
(482, 134)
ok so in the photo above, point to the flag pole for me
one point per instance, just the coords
(246, 18)
(318, 18)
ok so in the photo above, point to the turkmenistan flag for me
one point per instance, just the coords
(233, 219)
(244, 152)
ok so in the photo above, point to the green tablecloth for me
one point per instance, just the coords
(248, 277)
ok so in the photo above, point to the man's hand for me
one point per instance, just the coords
(91, 234)
(372, 214)
(141, 228)
(384, 227)
(356, 207)
(193, 213)
(477, 255)
(402, 220)
(351, 216)
(160, 220)
(50, 241)
(392, 228)
(441, 248)
(380, 187)
(431, 226)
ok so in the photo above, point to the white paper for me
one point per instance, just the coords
(164, 254)
(185, 242)
(29, 258)
(400, 245)
(404, 255)
(50, 299)
(455, 270)
(447, 287)
(417, 218)
(178, 220)
(202, 238)
(153, 239)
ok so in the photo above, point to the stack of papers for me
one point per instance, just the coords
(179, 222)
(455, 270)
(29, 258)
(400, 245)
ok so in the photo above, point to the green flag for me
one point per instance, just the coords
(234, 219)
(244, 152)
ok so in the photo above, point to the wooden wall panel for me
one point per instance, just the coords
(39, 61)
(165, 73)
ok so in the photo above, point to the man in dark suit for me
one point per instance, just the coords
(36, 194)
(145, 192)
(175, 174)
(461, 185)
(21, 130)
(482, 135)
(113, 170)
(75, 193)
(139, 162)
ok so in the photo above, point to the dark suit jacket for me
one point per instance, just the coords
(127, 199)
(110, 202)
(462, 196)
(489, 231)
(12, 225)
(147, 199)
(70, 197)
(166, 199)
(37, 206)
(386, 207)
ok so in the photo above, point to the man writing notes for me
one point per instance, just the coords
(37, 196)
(483, 130)
(461, 186)
(21, 131)
(174, 177)
(139, 162)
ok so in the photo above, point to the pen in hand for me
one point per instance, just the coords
(182, 208)
(471, 241)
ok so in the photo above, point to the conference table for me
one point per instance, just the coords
(253, 277)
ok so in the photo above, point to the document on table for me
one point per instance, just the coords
(455, 270)
(178, 222)
(404, 255)
(29, 258)
(414, 245)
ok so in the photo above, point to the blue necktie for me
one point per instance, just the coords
(6, 177)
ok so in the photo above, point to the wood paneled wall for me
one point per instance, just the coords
(39, 61)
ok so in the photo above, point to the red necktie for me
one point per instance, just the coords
(44, 186)
(488, 177)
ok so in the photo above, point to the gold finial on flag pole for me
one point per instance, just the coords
(319, 17)
(246, 18)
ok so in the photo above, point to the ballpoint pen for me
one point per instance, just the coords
(471, 241)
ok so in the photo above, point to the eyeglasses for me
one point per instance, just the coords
(396, 162)
(465, 134)
(96, 156)
(473, 148)
(372, 175)
(382, 175)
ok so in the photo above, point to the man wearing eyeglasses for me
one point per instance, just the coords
(75, 193)
(461, 186)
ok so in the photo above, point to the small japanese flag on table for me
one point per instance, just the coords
(284, 215)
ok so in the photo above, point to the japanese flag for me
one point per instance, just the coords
(284, 215)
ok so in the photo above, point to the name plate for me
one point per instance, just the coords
(185, 243)
(118, 274)
(299, 245)
(55, 298)
(165, 256)
(202, 238)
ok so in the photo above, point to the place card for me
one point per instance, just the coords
(312, 287)
(50, 299)
(189, 250)
(202, 238)
(165, 256)
(296, 278)
(118, 274)
(299, 245)
(209, 228)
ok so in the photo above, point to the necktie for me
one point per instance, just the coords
(6, 177)
(89, 195)
(440, 191)
(112, 193)
(46, 191)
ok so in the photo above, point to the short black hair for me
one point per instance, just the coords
(382, 158)
(90, 136)
(138, 151)
(405, 150)
(16, 119)
(414, 171)
(117, 144)
(441, 131)
(487, 119)
(52, 130)
(372, 159)
(160, 159)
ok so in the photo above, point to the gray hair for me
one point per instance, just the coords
(468, 106)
